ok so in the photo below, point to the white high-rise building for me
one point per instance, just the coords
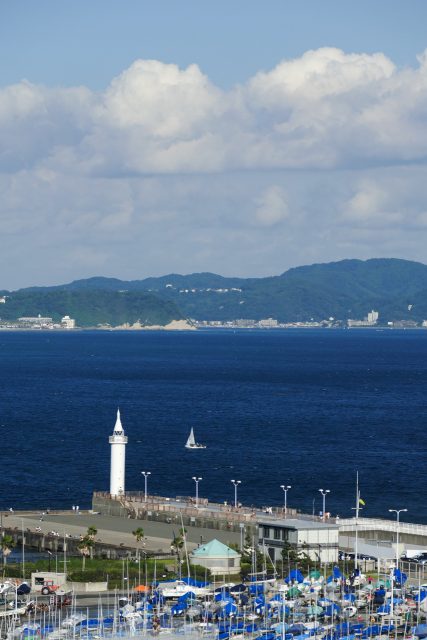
(373, 317)
(118, 442)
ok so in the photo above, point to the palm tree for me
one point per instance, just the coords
(91, 532)
(85, 547)
(90, 536)
(139, 536)
(7, 543)
(176, 546)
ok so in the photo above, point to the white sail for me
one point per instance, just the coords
(191, 439)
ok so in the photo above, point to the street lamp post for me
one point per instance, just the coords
(397, 512)
(285, 491)
(324, 492)
(145, 474)
(236, 484)
(197, 480)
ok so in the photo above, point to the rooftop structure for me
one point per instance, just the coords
(318, 539)
(217, 557)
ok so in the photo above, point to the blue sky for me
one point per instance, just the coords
(141, 138)
(89, 42)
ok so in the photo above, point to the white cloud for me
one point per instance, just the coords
(164, 171)
(161, 99)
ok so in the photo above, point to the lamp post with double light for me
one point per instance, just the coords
(285, 489)
(145, 474)
(236, 484)
(197, 480)
(397, 512)
(324, 492)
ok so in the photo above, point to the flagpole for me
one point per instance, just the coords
(356, 550)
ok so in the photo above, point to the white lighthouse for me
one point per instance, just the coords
(118, 443)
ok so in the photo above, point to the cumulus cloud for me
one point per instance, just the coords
(164, 163)
(324, 109)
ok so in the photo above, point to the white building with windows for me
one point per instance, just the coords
(68, 323)
(319, 540)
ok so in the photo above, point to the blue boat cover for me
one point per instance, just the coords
(421, 631)
(195, 583)
(400, 576)
(294, 575)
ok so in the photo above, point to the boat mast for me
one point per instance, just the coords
(356, 540)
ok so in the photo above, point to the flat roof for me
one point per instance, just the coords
(298, 523)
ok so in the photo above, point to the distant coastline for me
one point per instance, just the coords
(207, 329)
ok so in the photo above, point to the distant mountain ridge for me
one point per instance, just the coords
(345, 289)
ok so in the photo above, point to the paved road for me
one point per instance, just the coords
(116, 530)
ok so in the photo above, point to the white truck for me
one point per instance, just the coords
(410, 554)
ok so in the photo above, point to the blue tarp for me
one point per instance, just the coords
(223, 597)
(195, 583)
(251, 628)
(294, 575)
(230, 609)
(178, 609)
(332, 609)
(337, 573)
(400, 576)
(296, 628)
(350, 597)
(187, 596)
(384, 608)
(256, 588)
(421, 631)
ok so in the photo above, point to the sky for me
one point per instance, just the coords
(141, 138)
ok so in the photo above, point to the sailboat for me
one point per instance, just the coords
(191, 442)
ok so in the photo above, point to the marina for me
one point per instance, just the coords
(320, 602)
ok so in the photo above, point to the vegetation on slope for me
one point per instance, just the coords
(345, 289)
(91, 307)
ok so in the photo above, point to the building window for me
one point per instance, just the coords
(266, 532)
(277, 534)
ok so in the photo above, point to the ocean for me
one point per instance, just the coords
(306, 408)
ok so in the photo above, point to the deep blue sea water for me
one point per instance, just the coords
(306, 408)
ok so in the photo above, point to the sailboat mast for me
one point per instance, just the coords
(356, 564)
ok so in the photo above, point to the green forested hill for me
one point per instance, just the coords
(345, 289)
(91, 307)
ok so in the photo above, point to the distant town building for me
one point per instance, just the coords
(405, 324)
(268, 323)
(373, 317)
(369, 321)
(424, 324)
(244, 323)
(2, 299)
(68, 323)
(38, 320)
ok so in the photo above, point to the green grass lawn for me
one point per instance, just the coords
(118, 573)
